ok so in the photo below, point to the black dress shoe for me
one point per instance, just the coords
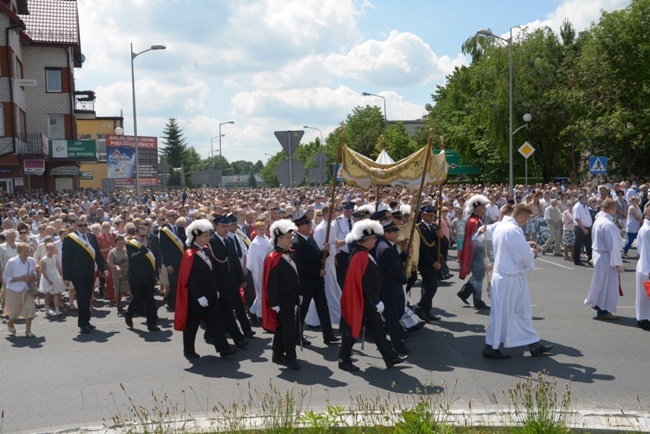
(405, 336)
(191, 356)
(539, 349)
(491, 353)
(447, 277)
(153, 329)
(348, 366)
(579, 264)
(399, 359)
(208, 340)
(128, 319)
(416, 327)
(404, 351)
(332, 340)
(249, 334)
(293, 364)
(242, 343)
(279, 359)
(481, 305)
(90, 326)
(229, 352)
(464, 299)
(421, 314)
(644, 324)
(305, 342)
(432, 317)
(84, 330)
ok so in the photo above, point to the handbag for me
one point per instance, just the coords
(32, 288)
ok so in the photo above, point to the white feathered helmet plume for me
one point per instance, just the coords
(196, 228)
(280, 228)
(363, 229)
(405, 209)
(476, 201)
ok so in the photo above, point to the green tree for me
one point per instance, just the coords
(252, 182)
(241, 167)
(174, 150)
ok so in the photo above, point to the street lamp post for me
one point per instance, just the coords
(379, 96)
(488, 33)
(320, 160)
(135, 118)
(220, 157)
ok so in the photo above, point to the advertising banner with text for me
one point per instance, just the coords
(120, 160)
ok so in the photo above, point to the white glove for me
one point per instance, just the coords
(380, 307)
(276, 309)
(203, 302)
(218, 294)
(300, 298)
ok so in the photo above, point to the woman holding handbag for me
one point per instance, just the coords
(20, 277)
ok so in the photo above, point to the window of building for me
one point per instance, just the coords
(56, 127)
(53, 80)
(22, 122)
(20, 70)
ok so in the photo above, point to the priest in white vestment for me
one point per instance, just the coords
(259, 248)
(643, 272)
(511, 313)
(606, 245)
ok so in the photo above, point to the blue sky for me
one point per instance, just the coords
(271, 65)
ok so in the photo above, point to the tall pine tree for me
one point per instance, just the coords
(174, 151)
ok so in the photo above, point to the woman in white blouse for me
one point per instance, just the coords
(19, 271)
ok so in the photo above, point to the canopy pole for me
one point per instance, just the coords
(418, 201)
(439, 203)
(331, 202)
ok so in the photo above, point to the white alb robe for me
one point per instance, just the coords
(643, 272)
(606, 245)
(511, 312)
(332, 289)
(260, 247)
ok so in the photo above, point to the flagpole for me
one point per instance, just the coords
(331, 202)
(439, 203)
(418, 201)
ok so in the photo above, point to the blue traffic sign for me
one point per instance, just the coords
(598, 165)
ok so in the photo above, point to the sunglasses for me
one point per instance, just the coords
(84, 225)
(22, 232)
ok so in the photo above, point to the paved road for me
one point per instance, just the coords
(62, 379)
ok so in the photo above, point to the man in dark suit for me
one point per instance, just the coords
(309, 259)
(142, 277)
(342, 226)
(428, 264)
(153, 244)
(223, 271)
(393, 279)
(80, 256)
(172, 241)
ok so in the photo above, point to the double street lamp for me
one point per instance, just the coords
(135, 117)
(488, 33)
(220, 157)
(378, 96)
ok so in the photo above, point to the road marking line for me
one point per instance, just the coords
(557, 265)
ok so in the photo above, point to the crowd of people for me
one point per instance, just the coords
(238, 259)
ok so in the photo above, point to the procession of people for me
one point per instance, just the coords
(241, 262)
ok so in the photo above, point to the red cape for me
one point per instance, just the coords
(269, 317)
(352, 295)
(180, 312)
(467, 253)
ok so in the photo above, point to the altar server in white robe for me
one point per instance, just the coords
(606, 245)
(511, 313)
(643, 271)
(259, 248)
(332, 288)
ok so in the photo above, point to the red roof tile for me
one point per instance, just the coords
(52, 21)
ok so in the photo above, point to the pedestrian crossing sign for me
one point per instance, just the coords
(598, 165)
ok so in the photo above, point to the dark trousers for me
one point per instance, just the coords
(143, 296)
(412, 279)
(581, 240)
(249, 291)
(429, 288)
(84, 286)
(342, 259)
(173, 282)
(393, 312)
(284, 340)
(228, 319)
(213, 324)
(444, 248)
(374, 329)
(316, 292)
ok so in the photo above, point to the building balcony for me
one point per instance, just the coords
(84, 101)
(32, 145)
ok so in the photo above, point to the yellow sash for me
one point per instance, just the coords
(244, 238)
(138, 245)
(87, 247)
(174, 238)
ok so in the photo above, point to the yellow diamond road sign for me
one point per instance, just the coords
(526, 150)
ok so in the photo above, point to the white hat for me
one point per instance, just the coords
(364, 228)
(405, 209)
(196, 228)
(281, 227)
(476, 201)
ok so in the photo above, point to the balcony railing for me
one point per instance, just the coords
(32, 144)
(84, 101)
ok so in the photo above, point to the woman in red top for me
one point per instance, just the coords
(106, 243)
